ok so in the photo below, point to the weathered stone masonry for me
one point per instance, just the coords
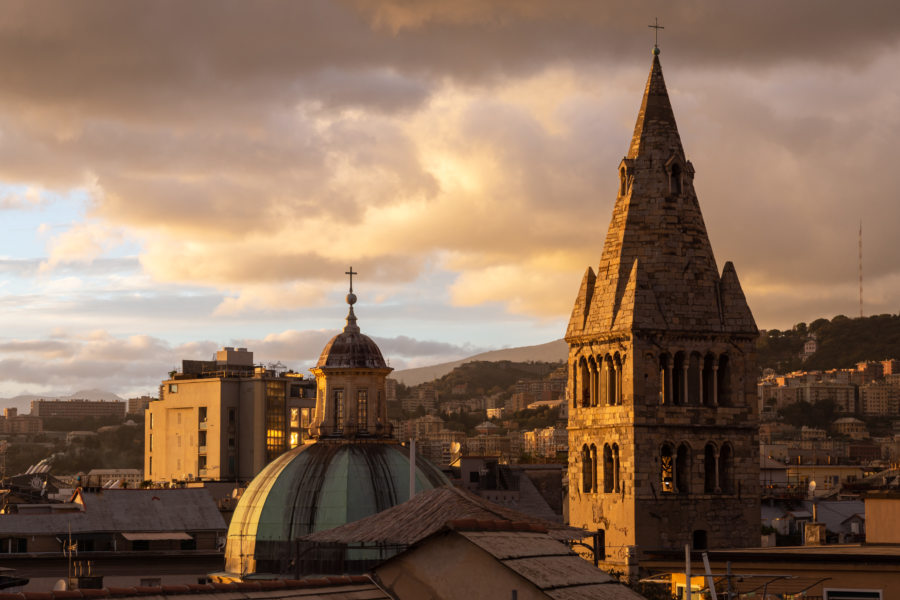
(662, 422)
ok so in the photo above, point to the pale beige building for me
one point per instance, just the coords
(224, 419)
(879, 399)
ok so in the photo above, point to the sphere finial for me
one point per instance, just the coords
(655, 50)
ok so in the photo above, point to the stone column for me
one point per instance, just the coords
(670, 364)
(674, 470)
(615, 472)
(716, 462)
(619, 371)
(684, 374)
(715, 383)
(700, 382)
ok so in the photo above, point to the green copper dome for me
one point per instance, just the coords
(315, 487)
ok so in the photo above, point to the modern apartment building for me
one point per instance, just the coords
(77, 409)
(225, 419)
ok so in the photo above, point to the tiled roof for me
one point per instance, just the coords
(125, 510)
(429, 512)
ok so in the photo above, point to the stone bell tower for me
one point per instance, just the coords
(663, 423)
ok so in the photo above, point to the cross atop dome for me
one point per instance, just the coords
(351, 326)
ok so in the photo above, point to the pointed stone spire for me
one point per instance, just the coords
(655, 129)
(657, 224)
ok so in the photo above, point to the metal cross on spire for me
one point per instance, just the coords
(656, 26)
(351, 273)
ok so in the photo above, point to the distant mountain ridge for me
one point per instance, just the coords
(555, 351)
(23, 402)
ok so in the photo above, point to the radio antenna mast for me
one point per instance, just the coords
(860, 272)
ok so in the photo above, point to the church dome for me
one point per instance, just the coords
(314, 487)
(351, 350)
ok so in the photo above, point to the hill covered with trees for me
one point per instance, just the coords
(841, 343)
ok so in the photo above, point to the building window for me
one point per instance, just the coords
(362, 409)
(231, 465)
(150, 466)
(201, 439)
(304, 418)
(699, 539)
(622, 181)
(295, 418)
(295, 391)
(150, 443)
(231, 416)
(295, 439)
(275, 419)
(338, 410)
(202, 412)
(201, 463)
(151, 420)
(600, 544)
(173, 388)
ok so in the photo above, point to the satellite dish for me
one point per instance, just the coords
(812, 487)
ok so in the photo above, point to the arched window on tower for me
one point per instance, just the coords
(665, 379)
(709, 380)
(616, 477)
(595, 376)
(667, 469)
(723, 382)
(593, 468)
(678, 378)
(585, 382)
(612, 380)
(683, 469)
(617, 363)
(575, 385)
(586, 469)
(675, 179)
(726, 469)
(608, 470)
(709, 469)
(695, 371)
(623, 181)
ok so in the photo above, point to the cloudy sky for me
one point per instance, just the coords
(179, 176)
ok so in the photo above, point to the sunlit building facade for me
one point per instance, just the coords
(225, 419)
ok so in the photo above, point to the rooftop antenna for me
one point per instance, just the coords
(860, 272)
